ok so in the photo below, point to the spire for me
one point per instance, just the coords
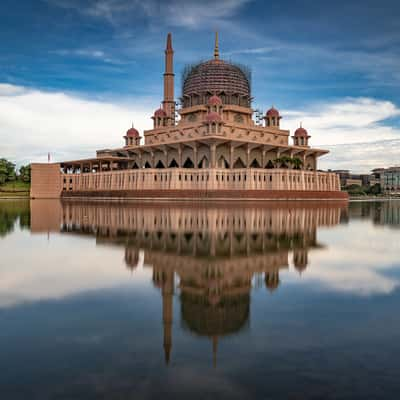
(169, 42)
(216, 49)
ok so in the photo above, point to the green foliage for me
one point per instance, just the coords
(297, 162)
(356, 190)
(7, 171)
(25, 173)
(375, 189)
(285, 161)
(9, 181)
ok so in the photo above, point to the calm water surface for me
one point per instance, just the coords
(287, 300)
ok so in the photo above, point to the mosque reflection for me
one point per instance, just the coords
(209, 256)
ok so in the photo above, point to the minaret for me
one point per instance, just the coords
(169, 102)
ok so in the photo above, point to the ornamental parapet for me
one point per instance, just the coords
(201, 179)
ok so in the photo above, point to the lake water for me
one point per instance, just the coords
(177, 301)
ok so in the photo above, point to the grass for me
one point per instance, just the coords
(15, 189)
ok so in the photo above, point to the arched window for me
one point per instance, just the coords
(222, 162)
(188, 163)
(270, 165)
(160, 164)
(255, 164)
(147, 165)
(239, 163)
(173, 164)
(203, 162)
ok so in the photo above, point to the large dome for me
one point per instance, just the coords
(216, 77)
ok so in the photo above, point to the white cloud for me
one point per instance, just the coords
(95, 54)
(347, 121)
(33, 123)
(10, 90)
(185, 13)
(81, 52)
(353, 130)
(363, 157)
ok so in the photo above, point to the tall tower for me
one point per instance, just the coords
(169, 102)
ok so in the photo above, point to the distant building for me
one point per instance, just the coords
(349, 179)
(389, 179)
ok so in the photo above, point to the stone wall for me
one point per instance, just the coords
(247, 183)
(45, 181)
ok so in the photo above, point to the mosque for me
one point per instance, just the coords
(207, 145)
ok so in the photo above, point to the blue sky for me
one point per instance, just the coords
(334, 65)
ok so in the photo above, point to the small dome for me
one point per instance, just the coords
(213, 117)
(300, 132)
(132, 132)
(272, 112)
(160, 113)
(214, 101)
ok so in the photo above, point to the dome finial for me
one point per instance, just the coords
(216, 49)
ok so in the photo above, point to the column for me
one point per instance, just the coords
(180, 156)
(213, 151)
(263, 158)
(195, 156)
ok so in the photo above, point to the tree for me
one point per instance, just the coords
(355, 190)
(282, 162)
(7, 171)
(285, 161)
(297, 163)
(375, 189)
(25, 173)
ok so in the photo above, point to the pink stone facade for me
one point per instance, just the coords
(211, 143)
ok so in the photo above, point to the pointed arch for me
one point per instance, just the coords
(147, 165)
(222, 162)
(135, 166)
(188, 163)
(255, 164)
(239, 163)
(269, 165)
(173, 164)
(203, 162)
(160, 164)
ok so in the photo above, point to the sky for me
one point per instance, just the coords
(75, 75)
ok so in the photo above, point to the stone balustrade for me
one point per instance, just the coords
(202, 179)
